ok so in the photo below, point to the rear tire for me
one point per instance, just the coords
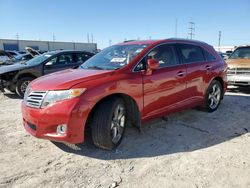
(213, 96)
(22, 85)
(108, 123)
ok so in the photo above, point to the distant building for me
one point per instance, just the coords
(19, 45)
(223, 49)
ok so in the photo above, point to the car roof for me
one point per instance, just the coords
(149, 42)
(63, 51)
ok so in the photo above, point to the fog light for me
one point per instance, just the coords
(61, 129)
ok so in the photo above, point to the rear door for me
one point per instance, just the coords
(198, 70)
(164, 87)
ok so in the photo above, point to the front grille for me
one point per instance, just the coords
(238, 71)
(35, 98)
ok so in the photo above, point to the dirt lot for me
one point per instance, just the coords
(192, 149)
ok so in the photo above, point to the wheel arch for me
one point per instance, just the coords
(23, 75)
(134, 117)
(219, 79)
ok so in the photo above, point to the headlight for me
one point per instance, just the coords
(55, 96)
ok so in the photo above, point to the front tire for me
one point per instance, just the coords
(108, 123)
(213, 96)
(22, 84)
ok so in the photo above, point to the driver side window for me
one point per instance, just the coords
(53, 61)
(165, 55)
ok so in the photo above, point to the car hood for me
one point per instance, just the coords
(66, 79)
(13, 67)
(239, 63)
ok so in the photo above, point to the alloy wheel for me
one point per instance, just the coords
(118, 123)
(24, 86)
(214, 96)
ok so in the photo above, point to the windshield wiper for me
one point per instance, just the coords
(95, 67)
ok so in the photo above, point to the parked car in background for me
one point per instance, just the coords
(18, 56)
(16, 77)
(223, 55)
(239, 67)
(6, 58)
(124, 84)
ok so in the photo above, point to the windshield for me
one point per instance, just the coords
(113, 57)
(38, 59)
(241, 53)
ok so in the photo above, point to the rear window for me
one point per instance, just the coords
(208, 56)
(191, 53)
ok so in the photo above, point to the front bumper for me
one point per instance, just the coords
(42, 123)
(243, 80)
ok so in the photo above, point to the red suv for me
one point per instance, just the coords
(125, 84)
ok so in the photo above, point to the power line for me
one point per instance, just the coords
(191, 30)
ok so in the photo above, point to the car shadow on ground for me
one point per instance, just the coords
(243, 90)
(185, 131)
(10, 95)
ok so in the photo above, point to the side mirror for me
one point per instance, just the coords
(48, 64)
(153, 64)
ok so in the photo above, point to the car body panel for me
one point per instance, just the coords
(164, 88)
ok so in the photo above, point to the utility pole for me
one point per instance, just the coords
(191, 30)
(54, 38)
(88, 37)
(92, 39)
(176, 28)
(219, 37)
(17, 41)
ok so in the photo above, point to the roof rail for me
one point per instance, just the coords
(183, 39)
(128, 41)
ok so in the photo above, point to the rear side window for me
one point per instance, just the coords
(190, 53)
(82, 57)
(208, 56)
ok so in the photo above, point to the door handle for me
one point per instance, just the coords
(180, 74)
(208, 67)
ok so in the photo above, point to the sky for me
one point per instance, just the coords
(72, 20)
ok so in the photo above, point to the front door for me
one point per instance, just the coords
(165, 86)
(58, 63)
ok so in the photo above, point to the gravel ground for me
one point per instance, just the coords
(191, 149)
